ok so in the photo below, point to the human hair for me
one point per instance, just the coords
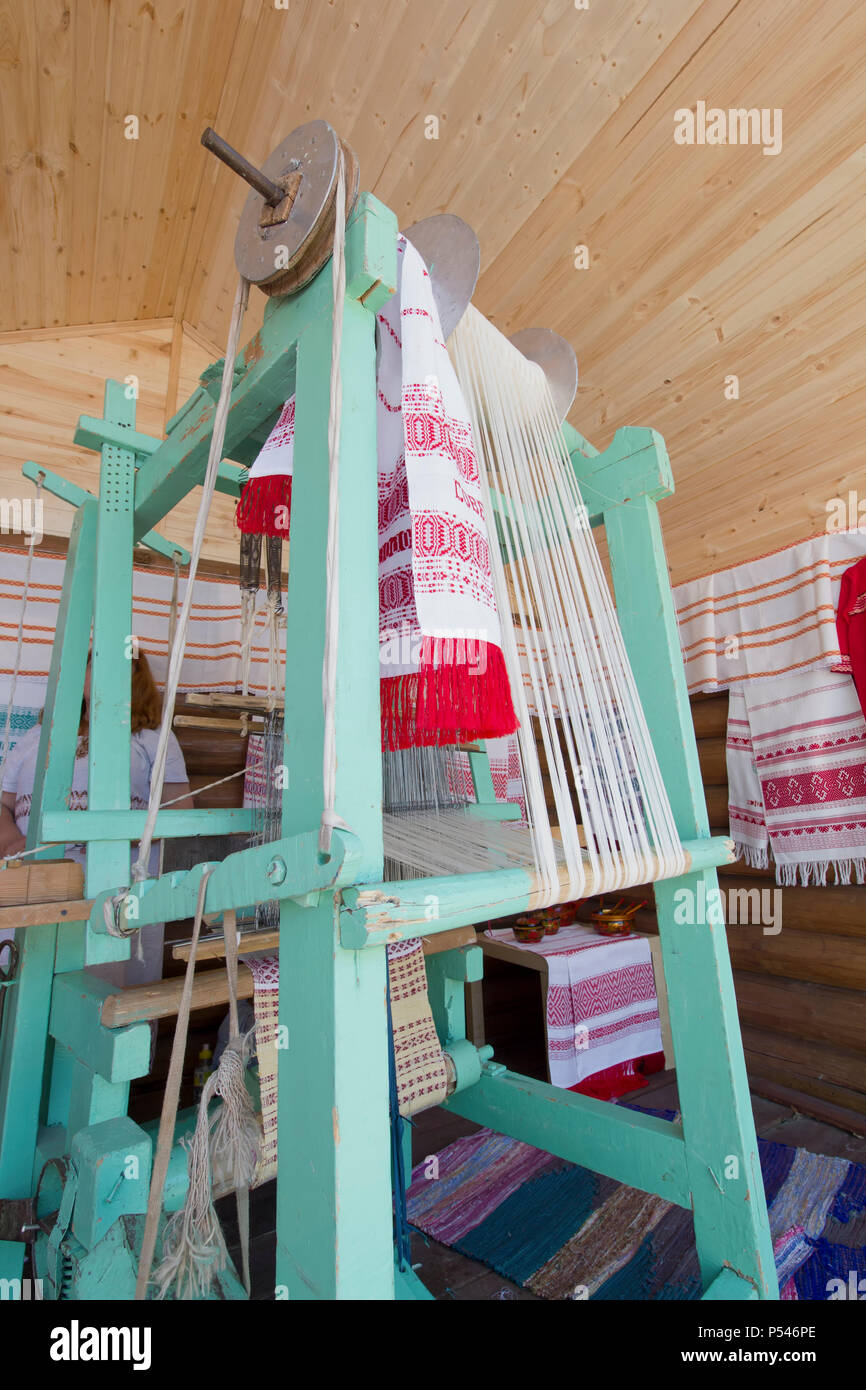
(145, 705)
(146, 701)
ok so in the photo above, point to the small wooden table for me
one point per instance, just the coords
(533, 960)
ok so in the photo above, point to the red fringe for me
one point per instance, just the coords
(259, 509)
(612, 1082)
(461, 693)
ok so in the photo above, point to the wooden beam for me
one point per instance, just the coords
(813, 1106)
(818, 1013)
(161, 1000)
(40, 914)
(642, 1150)
(173, 373)
(833, 1064)
(710, 716)
(46, 882)
(80, 330)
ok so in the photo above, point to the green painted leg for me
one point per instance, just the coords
(334, 1237)
(724, 1170)
(731, 1226)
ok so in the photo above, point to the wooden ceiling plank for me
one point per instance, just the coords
(54, 126)
(91, 45)
(218, 188)
(160, 103)
(23, 185)
(200, 69)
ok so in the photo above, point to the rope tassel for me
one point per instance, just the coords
(229, 1142)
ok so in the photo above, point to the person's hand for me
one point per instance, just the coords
(12, 842)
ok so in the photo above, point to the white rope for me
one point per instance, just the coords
(140, 868)
(163, 805)
(19, 641)
(332, 603)
(248, 622)
(172, 611)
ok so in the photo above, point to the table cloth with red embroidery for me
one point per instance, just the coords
(602, 1008)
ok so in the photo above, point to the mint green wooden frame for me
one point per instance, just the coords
(62, 1071)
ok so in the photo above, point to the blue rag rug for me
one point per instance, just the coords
(563, 1231)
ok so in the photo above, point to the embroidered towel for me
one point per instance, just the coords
(796, 751)
(442, 671)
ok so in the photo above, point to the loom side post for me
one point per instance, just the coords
(731, 1225)
(25, 1032)
(334, 1229)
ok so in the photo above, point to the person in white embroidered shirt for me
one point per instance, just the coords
(20, 773)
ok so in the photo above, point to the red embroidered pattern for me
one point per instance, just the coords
(428, 430)
(284, 429)
(807, 788)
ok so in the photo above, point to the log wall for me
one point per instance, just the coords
(801, 990)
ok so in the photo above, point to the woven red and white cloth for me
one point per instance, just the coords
(443, 673)
(266, 984)
(422, 1077)
(508, 785)
(265, 504)
(443, 677)
(796, 753)
(602, 1008)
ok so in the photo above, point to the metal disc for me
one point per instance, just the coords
(557, 359)
(449, 248)
(312, 150)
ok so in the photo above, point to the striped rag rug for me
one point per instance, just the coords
(564, 1232)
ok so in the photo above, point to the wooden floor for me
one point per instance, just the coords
(449, 1275)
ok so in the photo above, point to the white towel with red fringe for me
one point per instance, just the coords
(443, 677)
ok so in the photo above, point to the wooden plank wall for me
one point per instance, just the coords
(49, 378)
(801, 991)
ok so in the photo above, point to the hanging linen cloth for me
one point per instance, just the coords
(443, 677)
(796, 736)
(442, 669)
(266, 500)
(796, 752)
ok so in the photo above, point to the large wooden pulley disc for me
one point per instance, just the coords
(556, 358)
(449, 248)
(281, 247)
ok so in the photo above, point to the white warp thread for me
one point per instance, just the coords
(595, 740)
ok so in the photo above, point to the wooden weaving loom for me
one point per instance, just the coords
(74, 1168)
